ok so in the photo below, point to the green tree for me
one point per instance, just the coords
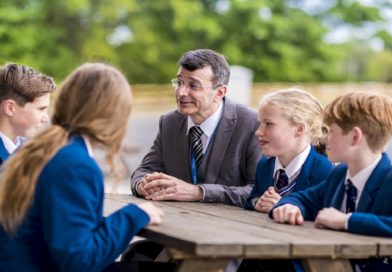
(280, 40)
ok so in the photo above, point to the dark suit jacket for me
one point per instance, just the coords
(315, 169)
(229, 165)
(374, 210)
(64, 229)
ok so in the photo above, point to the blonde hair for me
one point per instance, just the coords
(299, 107)
(95, 100)
(372, 113)
(23, 84)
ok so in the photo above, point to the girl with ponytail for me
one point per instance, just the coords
(51, 190)
(291, 139)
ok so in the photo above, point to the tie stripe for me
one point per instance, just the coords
(197, 145)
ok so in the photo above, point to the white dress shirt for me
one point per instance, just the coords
(208, 126)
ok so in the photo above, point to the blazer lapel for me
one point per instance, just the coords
(3, 152)
(373, 184)
(219, 143)
(337, 197)
(303, 177)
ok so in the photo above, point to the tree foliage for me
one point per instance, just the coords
(279, 40)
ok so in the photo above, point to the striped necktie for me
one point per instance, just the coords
(351, 196)
(281, 181)
(197, 145)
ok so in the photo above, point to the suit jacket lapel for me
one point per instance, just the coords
(372, 185)
(181, 152)
(211, 164)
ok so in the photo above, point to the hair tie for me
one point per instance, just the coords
(65, 126)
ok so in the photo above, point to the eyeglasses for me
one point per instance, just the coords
(178, 83)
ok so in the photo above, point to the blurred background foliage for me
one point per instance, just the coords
(280, 40)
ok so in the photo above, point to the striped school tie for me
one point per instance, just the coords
(351, 196)
(197, 145)
(282, 180)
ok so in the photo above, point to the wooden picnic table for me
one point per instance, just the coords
(206, 236)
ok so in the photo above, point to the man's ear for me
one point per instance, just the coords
(8, 107)
(220, 92)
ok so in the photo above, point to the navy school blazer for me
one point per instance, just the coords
(3, 152)
(65, 229)
(315, 169)
(373, 215)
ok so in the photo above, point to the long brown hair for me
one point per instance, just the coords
(94, 100)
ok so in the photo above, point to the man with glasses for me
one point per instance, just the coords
(206, 149)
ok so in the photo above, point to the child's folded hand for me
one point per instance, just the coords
(331, 218)
(267, 201)
(288, 214)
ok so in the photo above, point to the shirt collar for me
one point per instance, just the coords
(360, 179)
(295, 165)
(9, 145)
(209, 125)
(88, 145)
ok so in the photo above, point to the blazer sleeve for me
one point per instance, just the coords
(370, 224)
(152, 161)
(309, 201)
(262, 173)
(231, 195)
(78, 237)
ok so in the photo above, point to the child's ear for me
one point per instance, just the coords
(357, 135)
(8, 107)
(301, 128)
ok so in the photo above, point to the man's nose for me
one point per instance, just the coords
(183, 90)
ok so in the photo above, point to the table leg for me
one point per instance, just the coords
(208, 265)
(327, 265)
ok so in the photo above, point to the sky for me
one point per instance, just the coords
(342, 33)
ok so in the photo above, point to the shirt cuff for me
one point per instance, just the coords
(203, 191)
(348, 219)
(254, 201)
(136, 185)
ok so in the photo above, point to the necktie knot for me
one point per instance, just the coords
(351, 196)
(196, 132)
(197, 145)
(281, 180)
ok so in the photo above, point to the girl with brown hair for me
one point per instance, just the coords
(51, 190)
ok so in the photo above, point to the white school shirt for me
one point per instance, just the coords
(294, 167)
(359, 181)
(9, 145)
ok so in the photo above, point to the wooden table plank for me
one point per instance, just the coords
(223, 238)
(306, 241)
(260, 237)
